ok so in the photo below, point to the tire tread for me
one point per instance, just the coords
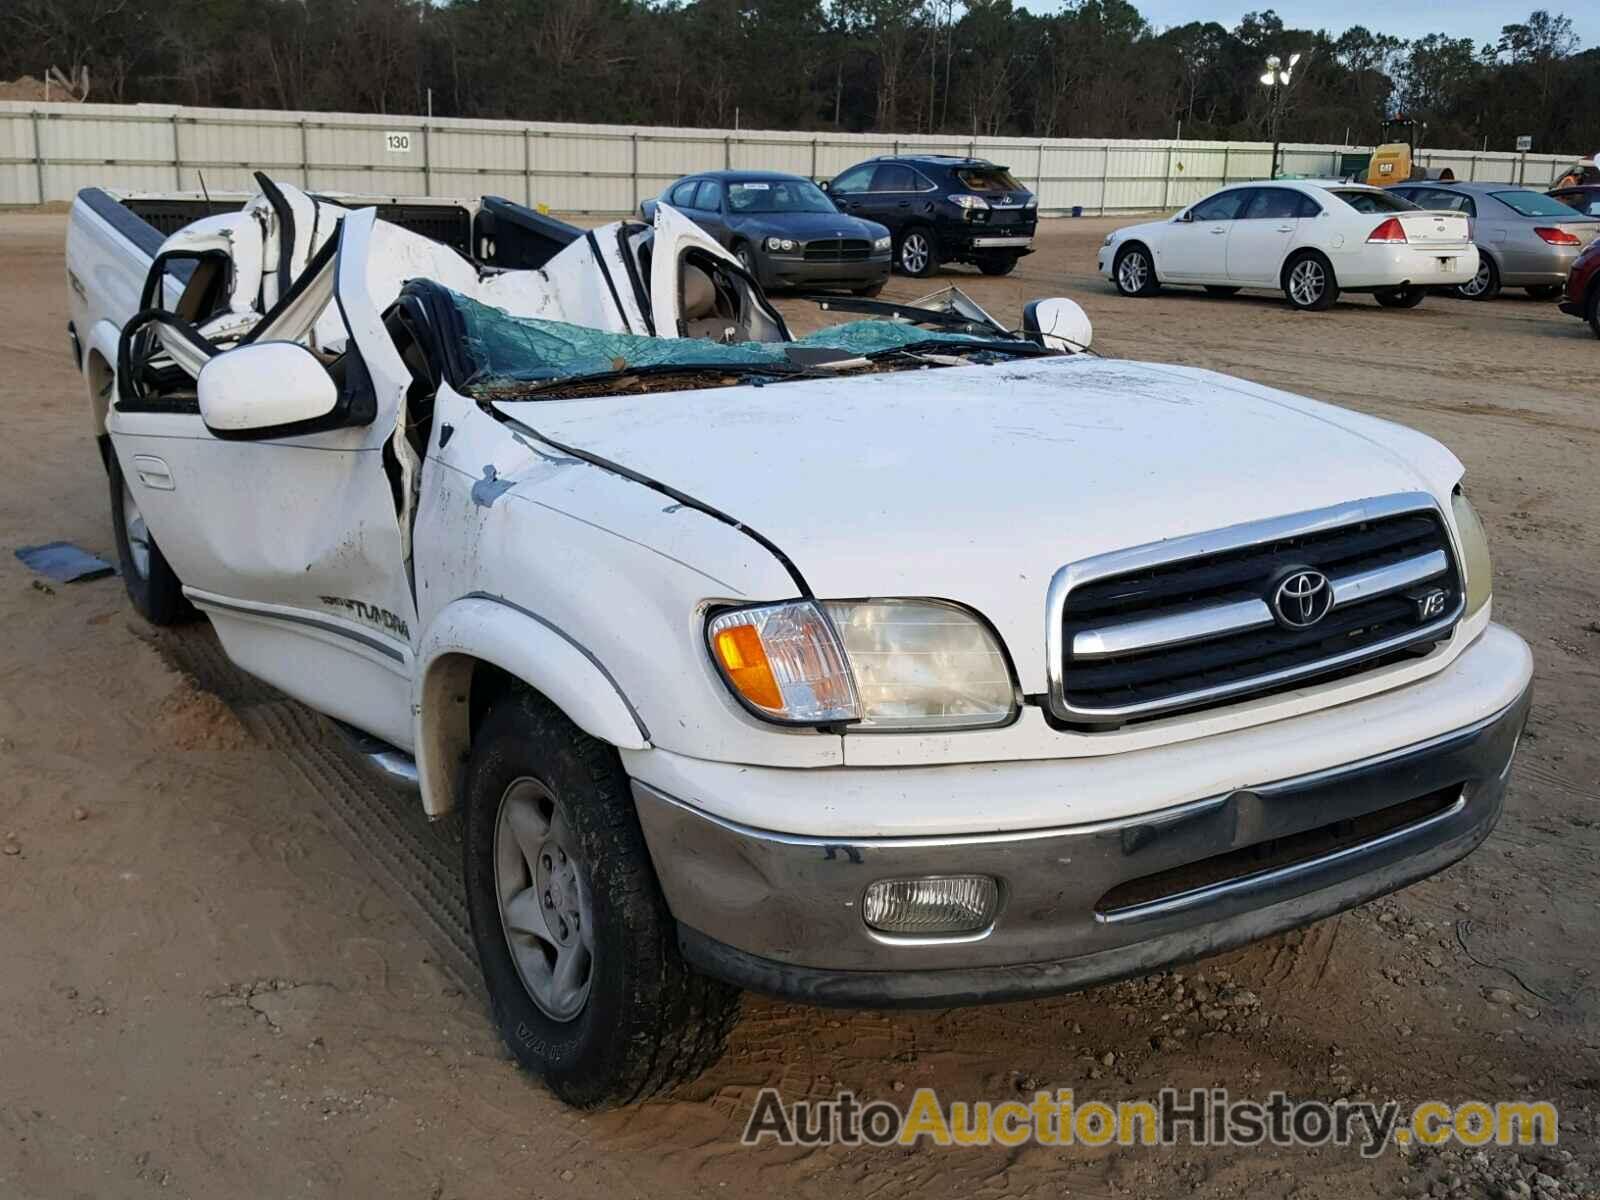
(694, 1013)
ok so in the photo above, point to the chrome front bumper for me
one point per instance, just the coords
(781, 913)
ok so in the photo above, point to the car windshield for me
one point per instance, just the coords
(1532, 204)
(777, 196)
(1364, 201)
(506, 354)
(987, 179)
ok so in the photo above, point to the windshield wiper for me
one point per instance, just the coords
(1017, 347)
(901, 312)
(601, 382)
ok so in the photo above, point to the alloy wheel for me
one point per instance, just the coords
(1479, 283)
(1133, 272)
(1307, 282)
(914, 253)
(545, 909)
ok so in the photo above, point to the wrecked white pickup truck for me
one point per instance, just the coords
(915, 662)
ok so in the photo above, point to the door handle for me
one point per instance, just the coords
(1285, 228)
(153, 473)
(904, 204)
(1219, 229)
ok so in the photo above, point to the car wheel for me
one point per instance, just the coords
(1219, 290)
(997, 264)
(1134, 273)
(1485, 285)
(1401, 297)
(918, 255)
(871, 290)
(1309, 282)
(151, 583)
(1594, 308)
(577, 946)
(747, 259)
(1545, 291)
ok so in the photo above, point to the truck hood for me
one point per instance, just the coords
(975, 484)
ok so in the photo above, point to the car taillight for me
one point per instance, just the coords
(1557, 237)
(1390, 231)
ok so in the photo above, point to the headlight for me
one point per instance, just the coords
(785, 663)
(1031, 202)
(923, 664)
(1474, 553)
(878, 664)
(963, 200)
(883, 243)
(776, 243)
(1110, 237)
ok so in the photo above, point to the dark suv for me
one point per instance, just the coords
(942, 209)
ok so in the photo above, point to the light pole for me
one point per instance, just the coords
(1277, 78)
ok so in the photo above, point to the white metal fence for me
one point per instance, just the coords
(49, 151)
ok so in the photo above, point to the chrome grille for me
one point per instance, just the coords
(1189, 623)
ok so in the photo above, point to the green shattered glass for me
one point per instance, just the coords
(503, 348)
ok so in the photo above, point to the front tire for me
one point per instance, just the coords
(1545, 291)
(1134, 272)
(868, 292)
(1594, 308)
(576, 944)
(997, 264)
(1402, 297)
(1309, 282)
(918, 253)
(150, 581)
(1485, 285)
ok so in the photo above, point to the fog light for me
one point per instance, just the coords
(941, 905)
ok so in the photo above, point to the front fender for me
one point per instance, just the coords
(486, 629)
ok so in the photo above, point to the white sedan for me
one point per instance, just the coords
(1312, 240)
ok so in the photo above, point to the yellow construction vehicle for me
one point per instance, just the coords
(1394, 160)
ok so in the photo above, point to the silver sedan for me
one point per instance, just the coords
(1525, 238)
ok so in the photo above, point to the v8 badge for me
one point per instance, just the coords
(1430, 604)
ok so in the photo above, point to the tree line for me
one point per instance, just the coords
(1095, 68)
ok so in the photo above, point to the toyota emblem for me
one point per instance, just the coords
(1302, 598)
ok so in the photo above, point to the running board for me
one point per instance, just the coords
(383, 762)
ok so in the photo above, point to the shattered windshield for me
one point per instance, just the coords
(508, 351)
(777, 196)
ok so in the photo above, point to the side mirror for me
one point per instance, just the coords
(277, 389)
(1058, 324)
(1185, 216)
(826, 185)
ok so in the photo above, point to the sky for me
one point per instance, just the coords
(1480, 19)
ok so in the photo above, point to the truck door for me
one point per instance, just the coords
(296, 545)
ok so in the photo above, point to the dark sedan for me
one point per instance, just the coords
(783, 228)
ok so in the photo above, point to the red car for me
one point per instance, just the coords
(1582, 296)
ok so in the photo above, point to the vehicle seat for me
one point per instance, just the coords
(705, 311)
(699, 293)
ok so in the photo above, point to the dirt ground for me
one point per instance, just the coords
(235, 968)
